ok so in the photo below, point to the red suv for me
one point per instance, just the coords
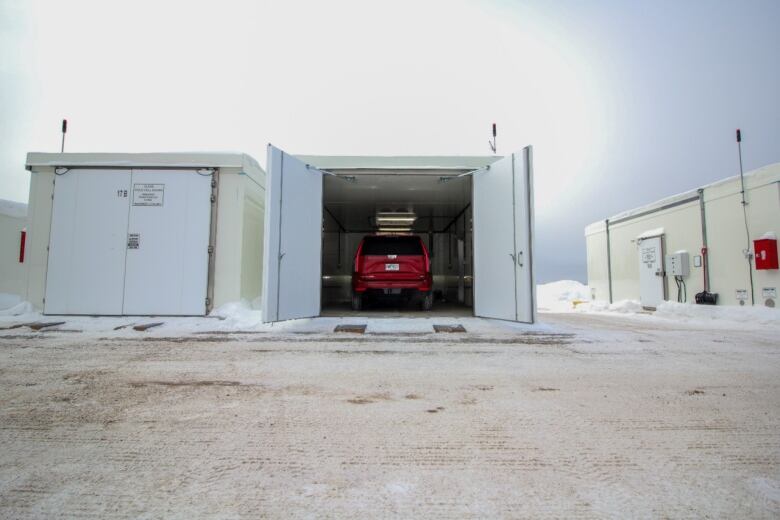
(397, 265)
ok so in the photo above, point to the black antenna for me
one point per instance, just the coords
(64, 131)
(748, 254)
(493, 142)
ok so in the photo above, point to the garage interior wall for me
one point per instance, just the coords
(239, 242)
(13, 274)
(237, 223)
(682, 230)
(443, 210)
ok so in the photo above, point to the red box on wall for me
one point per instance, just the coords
(766, 253)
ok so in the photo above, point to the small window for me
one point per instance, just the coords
(376, 246)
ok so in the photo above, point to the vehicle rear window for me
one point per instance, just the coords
(391, 246)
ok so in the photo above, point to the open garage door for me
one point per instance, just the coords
(503, 239)
(293, 239)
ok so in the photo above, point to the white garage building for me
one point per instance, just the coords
(177, 234)
(13, 276)
(695, 240)
(475, 212)
(144, 234)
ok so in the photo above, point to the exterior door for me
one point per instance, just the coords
(651, 272)
(503, 239)
(87, 242)
(292, 242)
(167, 243)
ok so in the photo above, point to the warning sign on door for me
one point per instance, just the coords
(148, 194)
(133, 240)
(648, 255)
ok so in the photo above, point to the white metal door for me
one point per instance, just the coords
(86, 265)
(651, 272)
(525, 287)
(503, 239)
(167, 242)
(293, 239)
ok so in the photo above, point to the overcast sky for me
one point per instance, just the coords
(625, 102)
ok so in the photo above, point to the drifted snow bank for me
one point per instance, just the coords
(621, 306)
(12, 305)
(572, 296)
(238, 315)
(750, 317)
(561, 296)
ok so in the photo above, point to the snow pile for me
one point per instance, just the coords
(12, 305)
(621, 306)
(750, 317)
(238, 316)
(561, 296)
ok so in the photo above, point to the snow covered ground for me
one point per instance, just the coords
(572, 296)
(565, 296)
(591, 414)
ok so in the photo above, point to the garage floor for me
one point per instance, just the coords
(394, 310)
(584, 416)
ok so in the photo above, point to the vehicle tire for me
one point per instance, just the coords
(357, 301)
(427, 301)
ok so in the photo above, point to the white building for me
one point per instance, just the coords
(631, 255)
(123, 234)
(177, 234)
(13, 276)
(475, 212)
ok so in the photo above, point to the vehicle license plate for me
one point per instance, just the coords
(391, 267)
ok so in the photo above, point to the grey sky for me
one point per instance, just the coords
(625, 102)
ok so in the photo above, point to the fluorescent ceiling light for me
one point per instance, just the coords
(394, 229)
(395, 218)
(396, 214)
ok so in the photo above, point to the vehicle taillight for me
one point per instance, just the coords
(427, 258)
(357, 258)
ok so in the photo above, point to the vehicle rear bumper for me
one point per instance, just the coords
(423, 284)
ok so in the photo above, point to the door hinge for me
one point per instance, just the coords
(208, 302)
(213, 183)
(211, 249)
(213, 199)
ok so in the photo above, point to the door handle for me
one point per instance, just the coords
(520, 258)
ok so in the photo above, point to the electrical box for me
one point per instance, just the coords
(766, 253)
(677, 264)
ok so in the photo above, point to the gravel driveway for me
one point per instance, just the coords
(590, 417)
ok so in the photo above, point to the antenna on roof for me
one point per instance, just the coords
(748, 254)
(64, 131)
(493, 142)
